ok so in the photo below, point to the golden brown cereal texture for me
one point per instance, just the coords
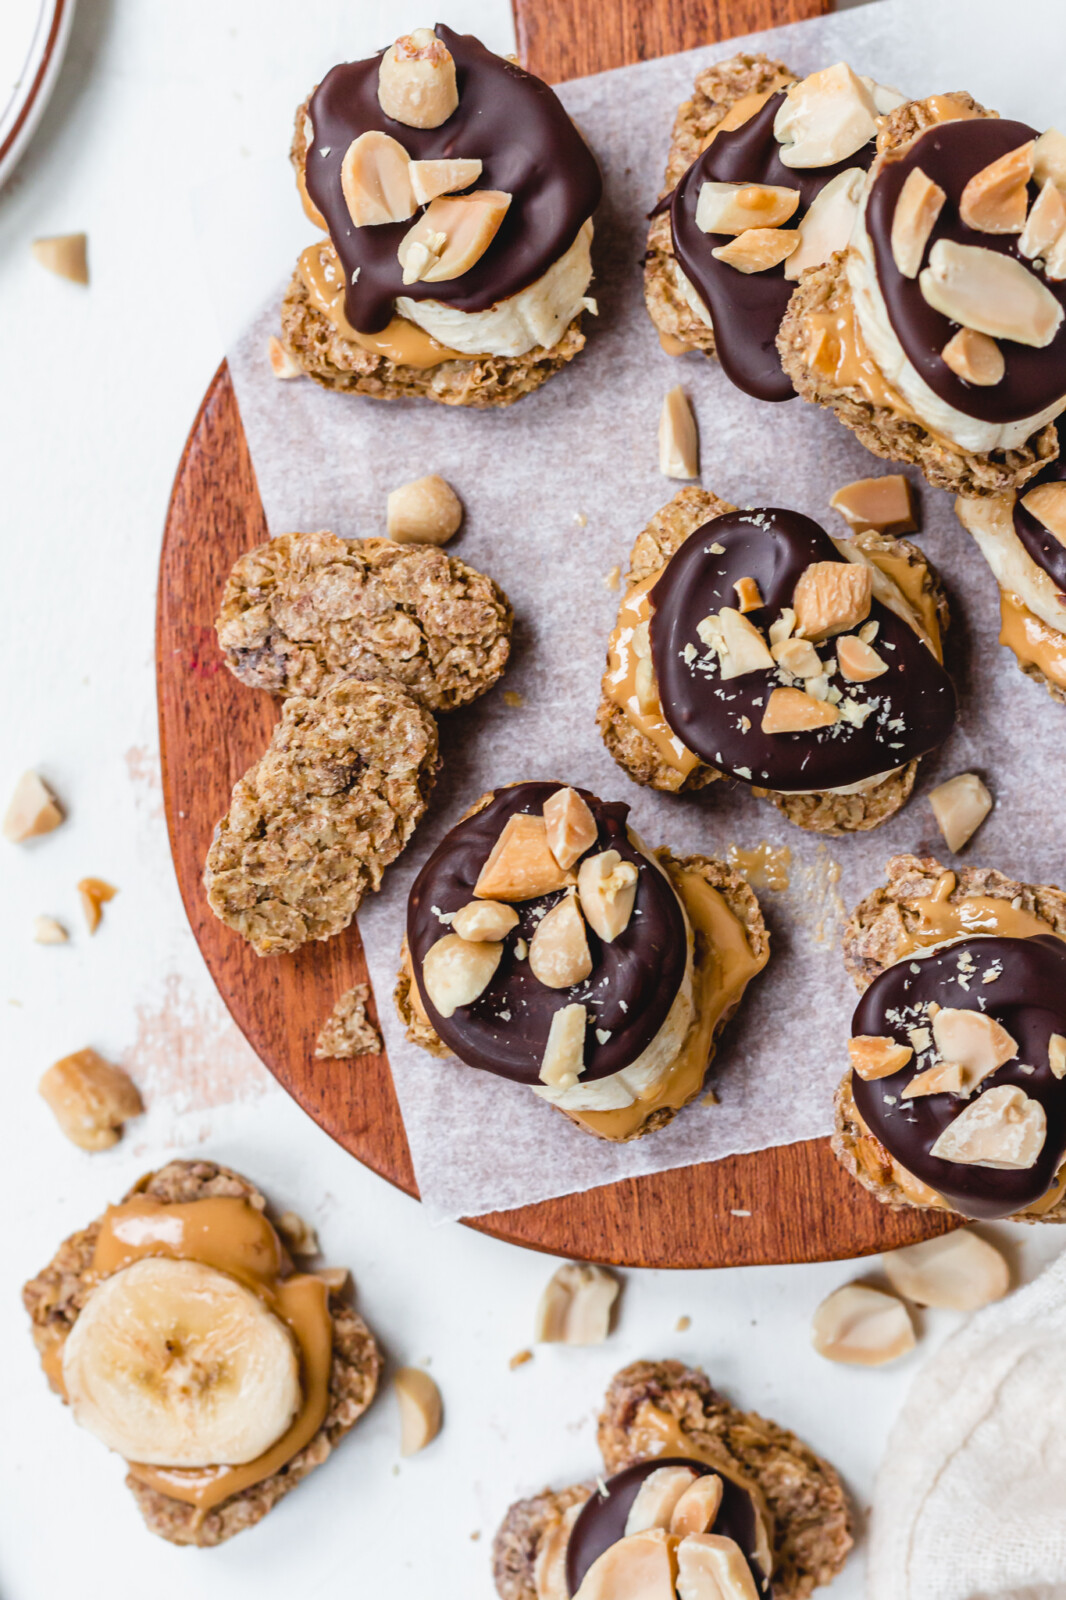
(514, 1549)
(348, 1031)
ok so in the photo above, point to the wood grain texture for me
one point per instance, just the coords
(793, 1203)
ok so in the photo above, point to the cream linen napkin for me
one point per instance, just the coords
(971, 1497)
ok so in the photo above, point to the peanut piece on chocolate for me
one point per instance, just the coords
(570, 827)
(484, 919)
(638, 1568)
(737, 208)
(825, 118)
(711, 1566)
(1047, 502)
(975, 358)
(575, 1307)
(958, 1271)
(873, 1056)
(283, 363)
(427, 511)
(457, 971)
(827, 224)
(698, 1506)
(996, 199)
(467, 225)
(1045, 223)
(679, 445)
(520, 865)
(559, 950)
(416, 80)
(862, 1327)
(32, 810)
(376, 181)
(1049, 159)
(564, 1053)
(748, 595)
(607, 889)
(960, 806)
(1057, 1055)
(947, 1077)
(859, 662)
(832, 597)
(758, 249)
(65, 255)
(743, 648)
(1003, 1129)
(793, 711)
(657, 1497)
(797, 656)
(90, 1099)
(885, 504)
(977, 1042)
(432, 178)
(420, 1409)
(991, 293)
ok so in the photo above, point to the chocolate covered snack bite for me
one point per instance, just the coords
(762, 185)
(750, 645)
(1022, 536)
(547, 944)
(179, 1333)
(937, 335)
(456, 197)
(697, 1498)
(956, 1095)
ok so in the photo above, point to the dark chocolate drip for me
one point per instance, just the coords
(774, 547)
(634, 980)
(528, 147)
(950, 153)
(1048, 552)
(746, 308)
(601, 1521)
(1029, 999)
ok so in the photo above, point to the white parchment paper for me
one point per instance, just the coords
(556, 489)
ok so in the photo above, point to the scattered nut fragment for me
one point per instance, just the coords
(960, 806)
(416, 80)
(859, 662)
(832, 597)
(748, 594)
(420, 1409)
(996, 199)
(426, 511)
(334, 1278)
(1049, 159)
(575, 1306)
(559, 950)
(32, 810)
(484, 919)
(793, 711)
(1047, 502)
(873, 1056)
(991, 293)
(94, 893)
(467, 224)
(638, 1568)
(698, 1506)
(679, 445)
(711, 1566)
(65, 254)
(947, 1077)
(456, 971)
(797, 656)
(958, 1272)
(549, 1567)
(46, 930)
(885, 504)
(564, 1053)
(376, 181)
(1003, 1128)
(657, 1498)
(977, 1042)
(90, 1099)
(520, 865)
(739, 207)
(348, 1031)
(519, 1359)
(299, 1236)
(743, 648)
(758, 249)
(570, 827)
(862, 1327)
(1045, 223)
(825, 118)
(607, 889)
(283, 363)
(432, 178)
(1057, 1055)
(975, 358)
(827, 223)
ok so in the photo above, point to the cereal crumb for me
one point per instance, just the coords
(348, 1030)
(613, 578)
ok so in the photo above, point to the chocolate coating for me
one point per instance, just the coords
(746, 308)
(774, 547)
(950, 153)
(1029, 999)
(634, 980)
(1047, 551)
(601, 1521)
(528, 147)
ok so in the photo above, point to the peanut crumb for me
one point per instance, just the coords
(611, 581)
(581, 519)
(736, 1212)
(94, 893)
(511, 697)
(683, 1324)
(520, 1359)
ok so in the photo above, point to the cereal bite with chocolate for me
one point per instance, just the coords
(178, 1331)
(698, 1499)
(750, 645)
(937, 335)
(546, 944)
(1022, 535)
(456, 199)
(762, 184)
(955, 1099)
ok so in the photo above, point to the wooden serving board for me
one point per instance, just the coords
(792, 1203)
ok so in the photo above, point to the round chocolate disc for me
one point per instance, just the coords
(601, 1521)
(1048, 552)
(746, 307)
(634, 979)
(913, 703)
(950, 154)
(528, 147)
(1027, 996)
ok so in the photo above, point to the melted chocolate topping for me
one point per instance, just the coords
(601, 1521)
(1047, 551)
(1029, 999)
(950, 153)
(746, 308)
(634, 980)
(528, 147)
(914, 701)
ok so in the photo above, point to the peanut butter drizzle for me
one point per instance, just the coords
(910, 581)
(764, 867)
(402, 342)
(837, 351)
(620, 683)
(233, 1237)
(724, 966)
(941, 108)
(744, 109)
(1033, 642)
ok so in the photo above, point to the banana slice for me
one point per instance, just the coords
(174, 1364)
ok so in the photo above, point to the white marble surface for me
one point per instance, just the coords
(97, 392)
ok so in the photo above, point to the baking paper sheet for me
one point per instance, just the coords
(556, 489)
